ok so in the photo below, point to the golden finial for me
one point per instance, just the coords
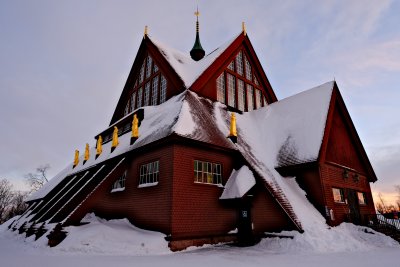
(244, 28)
(232, 130)
(146, 31)
(76, 159)
(197, 13)
(99, 147)
(135, 127)
(115, 142)
(86, 156)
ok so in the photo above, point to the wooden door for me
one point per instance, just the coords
(354, 207)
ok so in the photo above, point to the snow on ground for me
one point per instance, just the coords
(118, 243)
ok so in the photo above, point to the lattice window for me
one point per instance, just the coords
(207, 172)
(141, 74)
(163, 89)
(155, 67)
(239, 63)
(126, 110)
(231, 66)
(147, 94)
(149, 173)
(140, 97)
(221, 88)
(241, 95)
(133, 101)
(231, 91)
(249, 74)
(250, 97)
(361, 198)
(258, 99)
(148, 66)
(154, 91)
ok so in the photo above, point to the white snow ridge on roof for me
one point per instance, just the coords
(186, 68)
(239, 183)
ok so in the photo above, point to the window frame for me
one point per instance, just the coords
(147, 176)
(341, 193)
(120, 183)
(364, 202)
(207, 172)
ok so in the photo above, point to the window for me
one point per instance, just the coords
(258, 99)
(126, 110)
(231, 91)
(141, 74)
(149, 174)
(119, 184)
(154, 91)
(148, 66)
(250, 98)
(265, 101)
(163, 89)
(256, 81)
(239, 63)
(155, 68)
(241, 95)
(133, 101)
(338, 195)
(207, 172)
(231, 66)
(361, 198)
(221, 88)
(139, 99)
(147, 94)
(249, 74)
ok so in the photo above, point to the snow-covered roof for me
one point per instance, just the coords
(239, 183)
(187, 68)
(289, 131)
(286, 132)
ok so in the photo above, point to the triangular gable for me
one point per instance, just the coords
(340, 126)
(138, 75)
(222, 61)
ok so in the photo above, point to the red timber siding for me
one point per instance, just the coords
(148, 207)
(342, 154)
(267, 215)
(196, 208)
(332, 176)
(341, 148)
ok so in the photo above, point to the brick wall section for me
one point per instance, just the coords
(333, 177)
(149, 207)
(196, 209)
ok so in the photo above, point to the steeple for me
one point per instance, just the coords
(197, 51)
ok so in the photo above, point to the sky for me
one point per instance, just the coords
(64, 65)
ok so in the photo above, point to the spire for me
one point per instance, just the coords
(244, 28)
(197, 51)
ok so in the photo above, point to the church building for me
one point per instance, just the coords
(200, 149)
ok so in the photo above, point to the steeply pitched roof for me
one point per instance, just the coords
(186, 68)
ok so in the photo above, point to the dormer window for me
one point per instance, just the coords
(239, 87)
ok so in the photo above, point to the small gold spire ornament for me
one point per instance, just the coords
(115, 142)
(76, 159)
(146, 31)
(244, 28)
(232, 129)
(86, 155)
(99, 147)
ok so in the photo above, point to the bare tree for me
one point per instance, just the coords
(18, 205)
(39, 178)
(6, 197)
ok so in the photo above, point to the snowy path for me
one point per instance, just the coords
(15, 252)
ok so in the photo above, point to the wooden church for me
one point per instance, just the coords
(199, 148)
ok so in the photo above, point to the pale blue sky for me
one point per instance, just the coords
(64, 64)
